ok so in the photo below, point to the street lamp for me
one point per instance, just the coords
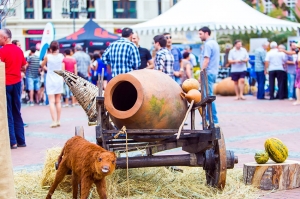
(71, 6)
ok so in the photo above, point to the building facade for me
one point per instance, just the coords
(268, 6)
(27, 18)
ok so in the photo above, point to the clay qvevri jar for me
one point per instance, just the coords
(145, 99)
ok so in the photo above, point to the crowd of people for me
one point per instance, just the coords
(29, 76)
(43, 85)
(277, 65)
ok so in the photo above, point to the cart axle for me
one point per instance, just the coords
(171, 160)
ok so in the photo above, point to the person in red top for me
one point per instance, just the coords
(14, 61)
(71, 66)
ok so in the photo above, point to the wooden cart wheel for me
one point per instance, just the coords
(79, 131)
(215, 164)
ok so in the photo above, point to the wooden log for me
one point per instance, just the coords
(280, 176)
(7, 189)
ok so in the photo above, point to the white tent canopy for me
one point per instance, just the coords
(226, 16)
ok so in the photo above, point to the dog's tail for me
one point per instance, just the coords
(60, 156)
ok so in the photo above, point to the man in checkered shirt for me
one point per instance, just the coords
(122, 55)
(164, 60)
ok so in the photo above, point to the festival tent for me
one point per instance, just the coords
(224, 16)
(91, 37)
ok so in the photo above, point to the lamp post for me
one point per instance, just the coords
(71, 6)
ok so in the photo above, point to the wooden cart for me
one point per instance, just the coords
(206, 148)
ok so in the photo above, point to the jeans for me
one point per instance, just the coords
(211, 78)
(178, 80)
(33, 84)
(68, 92)
(261, 79)
(15, 121)
(291, 85)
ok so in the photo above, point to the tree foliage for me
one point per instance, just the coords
(7, 8)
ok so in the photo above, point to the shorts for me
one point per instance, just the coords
(33, 84)
(235, 76)
(68, 92)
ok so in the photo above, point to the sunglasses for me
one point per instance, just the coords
(168, 37)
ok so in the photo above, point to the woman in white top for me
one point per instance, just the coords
(54, 84)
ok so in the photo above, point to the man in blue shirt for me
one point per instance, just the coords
(122, 55)
(260, 55)
(177, 57)
(210, 60)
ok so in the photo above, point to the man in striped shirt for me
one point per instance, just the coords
(32, 75)
(122, 56)
(164, 60)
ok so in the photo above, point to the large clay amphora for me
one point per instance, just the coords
(145, 99)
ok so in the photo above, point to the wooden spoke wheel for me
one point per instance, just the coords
(79, 131)
(215, 164)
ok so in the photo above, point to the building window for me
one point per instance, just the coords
(29, 9)
(124, 9)
(47, 11)
(74, 9)
(90, 4)
(291, 4)
(159, 7)
(268, 6)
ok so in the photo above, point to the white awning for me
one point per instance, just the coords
(222, 15)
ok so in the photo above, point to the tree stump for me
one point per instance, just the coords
(280, 176)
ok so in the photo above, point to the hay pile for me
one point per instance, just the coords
(144, 183)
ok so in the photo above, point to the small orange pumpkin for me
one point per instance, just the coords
(190, 84)
(193, 94)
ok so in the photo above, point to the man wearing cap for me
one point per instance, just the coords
(274, 66)
(122, 55)
(260, 55)
(83, 61)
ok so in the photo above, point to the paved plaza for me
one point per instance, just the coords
(245, 124)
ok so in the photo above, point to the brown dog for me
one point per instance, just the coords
(89, 163)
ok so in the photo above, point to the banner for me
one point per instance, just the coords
(47, 38)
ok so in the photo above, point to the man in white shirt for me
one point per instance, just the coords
(238, 58)
(274, 66)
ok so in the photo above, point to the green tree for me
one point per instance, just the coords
(297, 17)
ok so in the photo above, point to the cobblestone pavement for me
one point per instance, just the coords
(245, 124)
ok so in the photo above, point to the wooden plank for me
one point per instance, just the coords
(269, 176)
(7, 189)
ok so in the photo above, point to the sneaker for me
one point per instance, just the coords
(53, 125)
(31, 104)
(58, 123)
(291, 99)
(65, 105)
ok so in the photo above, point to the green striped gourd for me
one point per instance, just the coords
(261, 157)
(277, 151)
